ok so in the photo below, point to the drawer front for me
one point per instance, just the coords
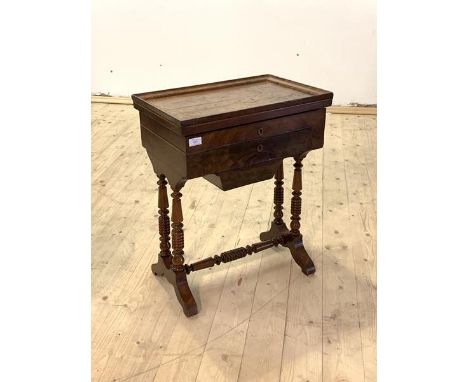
(254, 131)
(251, 153)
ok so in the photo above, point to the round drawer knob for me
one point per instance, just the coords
(260, 131)
(260, 148)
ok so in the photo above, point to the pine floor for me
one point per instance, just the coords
(260, 318)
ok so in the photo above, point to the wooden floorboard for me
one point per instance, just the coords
(302, 349)
(342, 348)
(260, 318)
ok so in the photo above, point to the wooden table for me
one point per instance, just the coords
(232, 133)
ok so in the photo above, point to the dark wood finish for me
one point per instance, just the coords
(229, 149)
(278, 198)
(278, 227)
(177, 232)
(164, 224)
(159, 127)
(256, 117)
(260, 130)
(232, 133)
(200, 104)
(250, 153)
(178, 279)
(165, 158)
(296, 201)
(227, 180)
(237, 253)
(173, 266)
(296, 246)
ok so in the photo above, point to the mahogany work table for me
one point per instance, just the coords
(232, 133)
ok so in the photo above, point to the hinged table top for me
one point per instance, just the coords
(247, 99)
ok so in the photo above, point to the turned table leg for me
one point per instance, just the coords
(164, 256)
(296, 246)
(278, 227)
(172, 266)
(278, 198)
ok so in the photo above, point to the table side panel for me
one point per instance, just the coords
(165, 130)
(166, 158)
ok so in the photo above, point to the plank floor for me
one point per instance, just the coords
(260, 318)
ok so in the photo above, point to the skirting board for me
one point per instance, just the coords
(362, 110)
(332, 109)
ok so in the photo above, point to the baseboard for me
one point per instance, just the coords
(108, 99)
(362, 110)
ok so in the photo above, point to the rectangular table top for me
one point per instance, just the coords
(250, 98)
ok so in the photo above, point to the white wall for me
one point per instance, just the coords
(143, 45)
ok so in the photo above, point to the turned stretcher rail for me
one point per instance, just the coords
(237, 253)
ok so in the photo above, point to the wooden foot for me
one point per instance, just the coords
(181, 287)
(172, 267)
(275, 231)
(300, 255)
(295, 245)
(159, 268)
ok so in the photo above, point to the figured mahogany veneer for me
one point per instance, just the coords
(232, 133)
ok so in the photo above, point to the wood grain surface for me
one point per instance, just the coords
(218, 101)
(225, 150)
(260, 319)
(242, 100)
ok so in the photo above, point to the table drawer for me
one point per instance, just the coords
(253, 131)
(253, 152)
